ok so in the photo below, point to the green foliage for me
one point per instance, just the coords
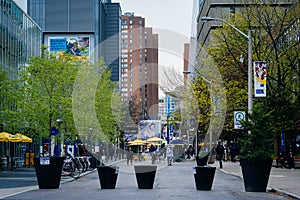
(274, 40)
(200, 91)
(256, 141)
(46, 91)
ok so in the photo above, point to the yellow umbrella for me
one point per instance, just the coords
(4, 136)
(155, 139)
(23, 138)
(13, 138)
(137, 142)
(201, 144)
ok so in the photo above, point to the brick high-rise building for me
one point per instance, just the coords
(139, 67)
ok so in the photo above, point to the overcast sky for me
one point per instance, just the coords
(174, 15)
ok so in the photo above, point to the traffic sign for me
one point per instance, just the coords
(238, 117)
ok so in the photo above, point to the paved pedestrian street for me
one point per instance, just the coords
(172, 182)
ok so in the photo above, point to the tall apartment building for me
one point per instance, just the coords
(139, 66)
(84, 24)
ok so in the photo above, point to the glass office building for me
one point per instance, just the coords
(70, 21)
(20, 36)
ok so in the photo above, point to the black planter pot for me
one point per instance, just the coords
(108, 176)
(145, 175)
(201, 161)
(48, 175)
(256, 174)
(204, 177)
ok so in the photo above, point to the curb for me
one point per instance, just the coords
(268, 189)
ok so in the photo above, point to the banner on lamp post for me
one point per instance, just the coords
(260, 79)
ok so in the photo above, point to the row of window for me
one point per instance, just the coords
(124, 22)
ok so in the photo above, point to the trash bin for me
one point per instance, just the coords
(108, 176)
(145, 175)
(204, 177)
(48, 171)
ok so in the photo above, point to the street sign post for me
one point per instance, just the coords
(238, 117)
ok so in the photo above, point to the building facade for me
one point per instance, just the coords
(92, 26)
(20, 36)
(221, 9)
(139, 66)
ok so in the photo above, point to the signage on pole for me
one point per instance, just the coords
(260, 79)
(238, 117)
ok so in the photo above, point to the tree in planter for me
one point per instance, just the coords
(256, 141)
(256, 149)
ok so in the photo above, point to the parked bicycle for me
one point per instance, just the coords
(72, 167)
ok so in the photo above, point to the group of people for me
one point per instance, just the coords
(167, 152)
(225, 153)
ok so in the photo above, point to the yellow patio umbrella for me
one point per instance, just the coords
(13, 138)
(137, 142)
(4, 136)
(23, 138)
(155, 139)
(201, 144)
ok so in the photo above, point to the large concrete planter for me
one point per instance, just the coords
(145, 175)
(48, 171)
(256, 174)
(108, 176)
(204, 177)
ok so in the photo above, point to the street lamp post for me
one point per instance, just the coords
(61, 142)
(189, 125)
(249, 37)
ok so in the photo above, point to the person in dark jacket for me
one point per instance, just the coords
(220, 153)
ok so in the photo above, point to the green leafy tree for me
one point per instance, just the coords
(273, 33)
(47, 85)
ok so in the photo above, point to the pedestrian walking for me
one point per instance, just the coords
(170, 155)
(152, 151)
(220, 153)
(129, 156)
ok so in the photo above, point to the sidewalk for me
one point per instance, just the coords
(284, 181)
(24, 179)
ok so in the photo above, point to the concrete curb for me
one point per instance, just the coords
(268, 189)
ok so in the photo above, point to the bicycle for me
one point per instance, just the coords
(71, 167)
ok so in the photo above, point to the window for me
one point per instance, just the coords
(124, 21)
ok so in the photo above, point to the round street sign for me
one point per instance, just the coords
(238, 117)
